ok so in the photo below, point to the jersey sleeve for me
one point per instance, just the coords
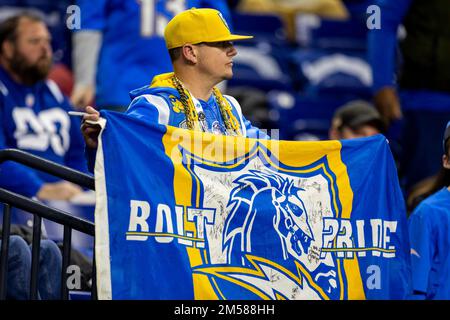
(14, 176)
(422, 248)
(87, 40)
(85, 52)
(151, 108)
(382, 43)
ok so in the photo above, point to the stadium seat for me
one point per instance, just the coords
(303, 117)
(322, 71)
(263, 27)
(262, 66)
(313, 31)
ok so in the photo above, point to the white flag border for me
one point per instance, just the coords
(102, 256)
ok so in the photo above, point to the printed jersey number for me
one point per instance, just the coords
(153, 22)
(39, 132)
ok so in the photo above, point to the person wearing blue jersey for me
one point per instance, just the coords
(59, 17)
(201, 49)
(429, 233)
(412, 89)
(33, 111)
(120, 47)
(33, 116)
(54, 13)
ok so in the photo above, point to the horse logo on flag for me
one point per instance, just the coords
(267, 233)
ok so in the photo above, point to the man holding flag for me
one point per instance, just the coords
(206, 213)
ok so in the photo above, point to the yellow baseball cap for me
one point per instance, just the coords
(198, 25)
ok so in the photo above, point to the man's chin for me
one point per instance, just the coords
(30, 73)
(34, 75)
(43, 68)
(228, 76)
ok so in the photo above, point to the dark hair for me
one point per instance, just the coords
(174, 54)
(8, 28)
(358, 113)
(426, 188)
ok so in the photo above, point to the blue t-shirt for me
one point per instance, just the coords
(429, 233)
(133, 49)
(34, 119)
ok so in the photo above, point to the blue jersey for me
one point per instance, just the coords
(160, 103)
(429, 234)
(34, 119)
(133, 49)
(382, 48)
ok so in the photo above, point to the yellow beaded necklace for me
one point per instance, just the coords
(192, 121)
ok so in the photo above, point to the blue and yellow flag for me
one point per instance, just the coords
(189, 215)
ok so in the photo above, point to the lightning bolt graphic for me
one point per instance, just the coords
(268, 280)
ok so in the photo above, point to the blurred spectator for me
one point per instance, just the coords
(120, 47)
(19, 270)
(34, 111)
(422, 94)
(355, 119)
(430, 236)
(34, 118)
(430, 185)
(54, 14)
(19, 266)
(288, 9)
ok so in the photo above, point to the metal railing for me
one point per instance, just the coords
(39, 211)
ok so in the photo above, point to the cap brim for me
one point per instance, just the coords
(362, 119)
(232, 37)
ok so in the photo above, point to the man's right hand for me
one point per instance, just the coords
(388, 104)
(62, 190)
(91, 131)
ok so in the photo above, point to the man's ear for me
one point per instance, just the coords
(8, 49)
(445, 161)
(189, 53)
